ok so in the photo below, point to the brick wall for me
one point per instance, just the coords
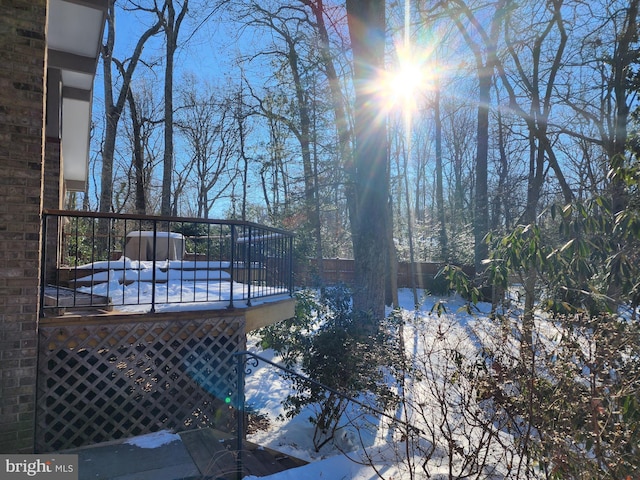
(22, 72)
(52, 198)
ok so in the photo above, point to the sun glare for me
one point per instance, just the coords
(407, 83)
(403, 86)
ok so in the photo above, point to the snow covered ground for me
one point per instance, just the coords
(457, 438)
(370, 448)
(369, 443)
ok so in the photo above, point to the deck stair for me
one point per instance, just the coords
(171, 270)
(66, 298)
(127, 274)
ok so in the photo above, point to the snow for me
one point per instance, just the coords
(126, 263)
(365, 447)
(356, 449)
(369, 443)
(153, 440)
(179, 285)
(334, 468)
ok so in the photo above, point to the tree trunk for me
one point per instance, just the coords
(171, 28)
(369, 226)
(500, 199)
(112, 116)
(486, 62)
(444, 248)
(241, 119)
(138, 157)
(304, 137)
(625, 56)
(481, 210)
(113, 109)
(338, 106)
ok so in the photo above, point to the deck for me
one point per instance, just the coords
(140, 264)
(141, 320)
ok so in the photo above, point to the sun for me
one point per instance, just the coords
(402, 86)
(406, 83)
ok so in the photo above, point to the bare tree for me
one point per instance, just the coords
(484, 52)
(171, 22)
(275, 177)
(207, 124)
(292, 48)
(141, 131)
(115, 106)
(608, 51)
(458, 169)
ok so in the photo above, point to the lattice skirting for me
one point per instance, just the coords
(100, 382)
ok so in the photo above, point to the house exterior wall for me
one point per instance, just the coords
(53, 195)
(22, 94)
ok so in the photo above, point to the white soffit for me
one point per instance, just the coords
(76, 27)
(76, 118)
(74, 39)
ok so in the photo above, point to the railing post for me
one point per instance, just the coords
(232, 269)
(240, 413)
(290, 264)
(43, 265)
(248, 266)
(153, 266)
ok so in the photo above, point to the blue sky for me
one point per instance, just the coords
(208, 49)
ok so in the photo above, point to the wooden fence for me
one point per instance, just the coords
(104, 378)
(339, 270)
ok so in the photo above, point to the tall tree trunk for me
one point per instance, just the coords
(391, 273)
(317, 205)
(500, 200)
(338, 106)
(486, 62)
(167, 170)
(444, 248)
(241, 118)
(534, 188)
(138, 156)
(481, 210)
(625, 55)
(410, 230)
(304, 137)
(171, 25)
(114, 108)
(366, 20)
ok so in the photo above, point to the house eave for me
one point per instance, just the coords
(74, 40)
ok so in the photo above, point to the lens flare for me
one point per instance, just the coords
(403, 86)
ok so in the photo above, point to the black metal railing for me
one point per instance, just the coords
(146, 263)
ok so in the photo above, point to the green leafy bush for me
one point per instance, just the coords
(325, 342)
